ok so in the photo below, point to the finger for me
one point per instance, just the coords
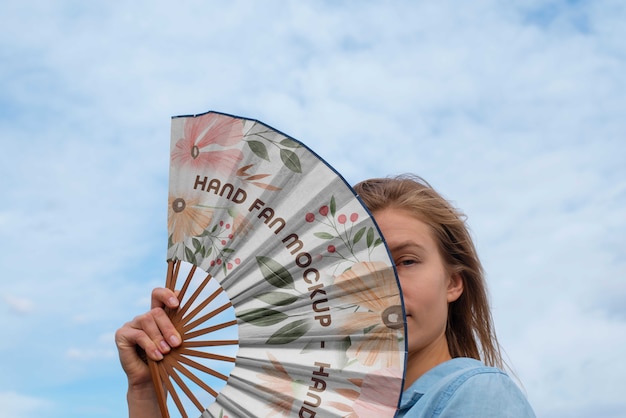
(159, 327)
(162, 296)
(129, 337)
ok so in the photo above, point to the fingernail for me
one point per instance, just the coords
(158, 355)
(172, 302)
(174, 341)
(164, 346)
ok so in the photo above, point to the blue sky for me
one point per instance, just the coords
(513, 110)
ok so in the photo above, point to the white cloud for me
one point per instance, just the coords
(17, 405)
(19, 305)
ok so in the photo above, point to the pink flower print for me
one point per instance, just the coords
(202, 135)
(374, 395)
(372, 287)
(277, 383)
(379, 394)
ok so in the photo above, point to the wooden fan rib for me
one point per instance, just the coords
(183, 309)
(169, 370)
(173, 268)
(158, 387)
(201, 306)
(170, 271)
(195, 378)
(208, 330)
(188, 280)
(203, 354)
(213, 343)
(204, 318)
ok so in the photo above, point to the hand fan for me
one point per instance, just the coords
(290, 305)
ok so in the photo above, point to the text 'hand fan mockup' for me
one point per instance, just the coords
(290, 305)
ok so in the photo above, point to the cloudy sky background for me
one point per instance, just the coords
(514, 110)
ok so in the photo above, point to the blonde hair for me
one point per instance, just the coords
(470, 331)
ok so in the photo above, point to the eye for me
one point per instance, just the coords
(406, 262)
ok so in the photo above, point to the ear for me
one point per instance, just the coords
(455, 287)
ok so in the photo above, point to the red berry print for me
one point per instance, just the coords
(342, 219)
(324, 210)
(354, 217)
(309, 217)
(331, 249)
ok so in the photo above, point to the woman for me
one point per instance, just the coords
(450, 332)
(449, 322)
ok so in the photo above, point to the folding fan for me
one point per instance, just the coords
(290, 305)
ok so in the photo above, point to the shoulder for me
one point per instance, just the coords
(468, 388)
(485, 391)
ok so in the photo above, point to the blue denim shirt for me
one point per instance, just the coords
(464, 387)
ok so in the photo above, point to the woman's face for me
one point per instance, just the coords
(426, 285)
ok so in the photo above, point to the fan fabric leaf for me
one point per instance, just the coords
(262, 317)
(274, 273)
(359, 235)
(277, 298)
(291, 160)
(290, 332)
(259, 149)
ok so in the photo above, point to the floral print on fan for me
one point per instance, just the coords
(205, 143)
(279, 385)
(188, 219)
(342, 226)
(367, 286)
(276, 300)
(373, 396)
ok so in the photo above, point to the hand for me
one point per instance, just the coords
(154, 333)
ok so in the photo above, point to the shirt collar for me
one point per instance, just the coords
(431, 377)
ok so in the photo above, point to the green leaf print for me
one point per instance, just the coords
(277, 298)
(359, 234)
(291, 160)
(262, 317)
(290, 143)
(275, 273)
(189, 255)
(333, 206)
(259, 149)
(370, 237)
(290, 332)
(324, 235)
